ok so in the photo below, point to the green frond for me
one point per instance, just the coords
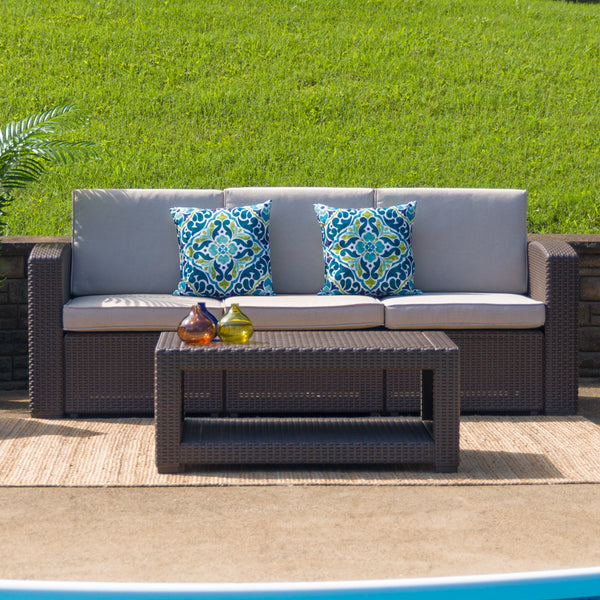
(60, 119)
(63, 151)
(28, 146)
(18, 173)
(40, 126)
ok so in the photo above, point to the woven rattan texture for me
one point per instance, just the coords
(306, 440)
(311, 391)
(493, 378)
(285, 441)
(554, 279)
(129, 390)
(48, 290)
(501, 371)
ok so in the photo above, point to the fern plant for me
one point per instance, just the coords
(28, 146)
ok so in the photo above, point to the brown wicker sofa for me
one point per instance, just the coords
(98, 304)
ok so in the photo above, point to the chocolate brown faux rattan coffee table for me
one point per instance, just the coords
(277, 357)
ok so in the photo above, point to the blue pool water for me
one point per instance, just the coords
(574, 584)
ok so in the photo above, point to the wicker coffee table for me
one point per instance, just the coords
(277, 356)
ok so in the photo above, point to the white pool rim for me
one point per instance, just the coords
(541, 585)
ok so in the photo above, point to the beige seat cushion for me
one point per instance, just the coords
(309, 311)
(131, 312)
(162, 312)
(464, 311)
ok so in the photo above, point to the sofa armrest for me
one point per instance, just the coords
(554, 280)
(48, 281)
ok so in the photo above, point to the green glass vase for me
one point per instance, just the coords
(235, 327)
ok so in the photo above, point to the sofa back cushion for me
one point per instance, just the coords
(466, 240)
(297, 262)
(124, 241)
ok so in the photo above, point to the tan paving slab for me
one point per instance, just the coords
(261, 534)
(294, 534)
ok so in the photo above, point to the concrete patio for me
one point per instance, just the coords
(258, 534)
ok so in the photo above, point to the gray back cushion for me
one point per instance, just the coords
(295, 235)
(466, 240)
(124, 241)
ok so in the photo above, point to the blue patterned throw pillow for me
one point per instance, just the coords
(368, 251)
(224, 252)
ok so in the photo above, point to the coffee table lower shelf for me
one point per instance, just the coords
(366, 440)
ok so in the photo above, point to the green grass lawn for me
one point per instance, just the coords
(203, 93)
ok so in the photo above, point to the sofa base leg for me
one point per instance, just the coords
(170, 469)
(34, 414)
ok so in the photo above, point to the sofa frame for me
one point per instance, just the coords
(502, 371)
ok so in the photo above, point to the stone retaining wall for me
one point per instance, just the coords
(13, 309)
(13, 305)
(588, 251)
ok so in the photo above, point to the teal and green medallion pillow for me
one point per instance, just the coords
(224, 252)
(368, 251)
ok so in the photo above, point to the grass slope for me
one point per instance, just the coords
(203, 93)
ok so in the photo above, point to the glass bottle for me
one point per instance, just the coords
(235, 327)
(199, 327)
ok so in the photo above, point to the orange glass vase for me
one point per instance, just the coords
(199, 327)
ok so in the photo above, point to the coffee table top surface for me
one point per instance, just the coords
(321, 340)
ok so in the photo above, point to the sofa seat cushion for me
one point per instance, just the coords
(464, 311)
(131, 312)
(309, 311)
